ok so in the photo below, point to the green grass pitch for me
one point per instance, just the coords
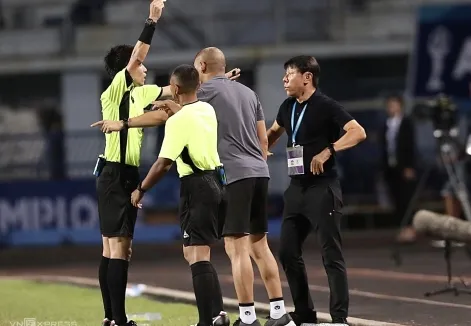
(26, 303)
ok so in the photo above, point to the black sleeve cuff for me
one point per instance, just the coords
(128, 78)
(346, 120)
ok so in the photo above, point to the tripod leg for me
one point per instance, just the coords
(441, 291)
(455, 175)
(464, 291)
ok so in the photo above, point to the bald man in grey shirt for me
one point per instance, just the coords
(238, 111)
(243, 148)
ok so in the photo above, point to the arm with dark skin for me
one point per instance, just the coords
(173, 144)
(156, 173)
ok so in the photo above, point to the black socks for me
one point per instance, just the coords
(203, 286)
(218, 305)
(105, 293)
(117, 282)
(113, 277)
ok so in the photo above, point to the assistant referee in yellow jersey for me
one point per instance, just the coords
(191, 140)
(117, 172)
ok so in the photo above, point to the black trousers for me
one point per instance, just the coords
(314, 208)
(401, 191)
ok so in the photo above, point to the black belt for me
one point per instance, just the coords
(199, 174)
(120, 165)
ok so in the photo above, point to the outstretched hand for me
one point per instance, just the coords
(108, 126)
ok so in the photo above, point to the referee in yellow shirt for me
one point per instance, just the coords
(191, 140)
(117, 172)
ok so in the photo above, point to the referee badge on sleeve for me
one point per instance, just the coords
(295, 160)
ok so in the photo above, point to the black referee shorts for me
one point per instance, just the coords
(114, 187)
(246, 207)
(201, 209)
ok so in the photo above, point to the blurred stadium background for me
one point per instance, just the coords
(51, 78)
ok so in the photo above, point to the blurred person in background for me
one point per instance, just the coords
(399, 161)
(51, 121)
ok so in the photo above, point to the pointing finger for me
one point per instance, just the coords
(96, 124)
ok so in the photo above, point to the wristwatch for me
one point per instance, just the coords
(331, 149)
(139, 187)
(125, 123)
(150, 22)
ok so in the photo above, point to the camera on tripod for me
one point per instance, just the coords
(443, 113)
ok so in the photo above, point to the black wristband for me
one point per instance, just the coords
(147, 33)
(331, 149)
(139, 187)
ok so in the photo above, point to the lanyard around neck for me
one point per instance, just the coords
(295, 129)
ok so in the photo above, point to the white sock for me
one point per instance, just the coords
(247, 314)
(277, 309)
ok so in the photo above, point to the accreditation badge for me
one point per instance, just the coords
(295, 160)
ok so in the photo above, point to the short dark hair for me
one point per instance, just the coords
(188, 78)
(305, 63)
(395, 97)
(118, 58)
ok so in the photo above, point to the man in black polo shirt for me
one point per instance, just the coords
(313, 200)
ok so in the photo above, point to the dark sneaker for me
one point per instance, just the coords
(304, 320)
(286, 320)
(222, 319)
(239, 322)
